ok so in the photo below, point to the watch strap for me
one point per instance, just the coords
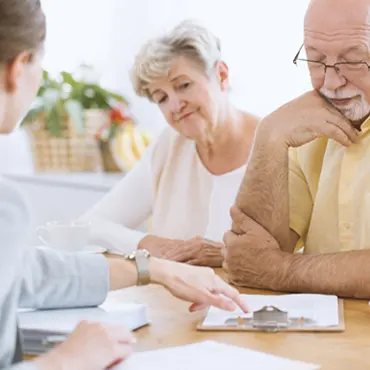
(142, 263)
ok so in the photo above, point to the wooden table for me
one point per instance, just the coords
(172, 325)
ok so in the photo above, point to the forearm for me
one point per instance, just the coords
(264, 192)
(27, 366)
(123, 273)
(117, 216)
(57, 280)
(116, 238)
(344, 274)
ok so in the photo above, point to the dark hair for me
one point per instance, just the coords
(22, 27)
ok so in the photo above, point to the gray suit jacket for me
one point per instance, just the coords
(38, 278)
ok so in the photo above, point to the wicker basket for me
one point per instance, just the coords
(71, 152)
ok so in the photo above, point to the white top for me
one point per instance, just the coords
(171, 185)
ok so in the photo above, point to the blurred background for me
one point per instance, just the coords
(88, 128)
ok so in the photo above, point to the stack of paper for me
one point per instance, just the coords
(210, 355)
(321, 309)
(39, 325)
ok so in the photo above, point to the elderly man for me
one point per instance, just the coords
(308, 178)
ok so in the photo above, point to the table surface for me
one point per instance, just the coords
(172, 325)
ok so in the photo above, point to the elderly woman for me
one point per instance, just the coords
(45, 279)
(187, 181)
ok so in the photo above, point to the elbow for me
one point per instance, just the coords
(254, 259)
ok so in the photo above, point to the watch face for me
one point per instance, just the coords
(129, 256)
(134, 254)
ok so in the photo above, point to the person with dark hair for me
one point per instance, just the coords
(48, 279)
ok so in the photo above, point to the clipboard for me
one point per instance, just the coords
(270, 319)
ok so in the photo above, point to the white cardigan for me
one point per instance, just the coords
(171, 185)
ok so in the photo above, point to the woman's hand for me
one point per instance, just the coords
(196, 251)
(91, 346)
(198, 285)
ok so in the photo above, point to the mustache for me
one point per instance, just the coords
(339, 95)
(327, 100)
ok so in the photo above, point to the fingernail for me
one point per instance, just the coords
(133, 340)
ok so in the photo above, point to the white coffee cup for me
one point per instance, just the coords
(65, 235)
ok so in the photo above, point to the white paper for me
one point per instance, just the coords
(322, 309)
(210, 355)
(129, 315)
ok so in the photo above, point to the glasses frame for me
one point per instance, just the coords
(326, 66)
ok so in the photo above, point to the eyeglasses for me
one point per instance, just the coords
(350, 70)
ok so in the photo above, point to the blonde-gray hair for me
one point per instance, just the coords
(189, 39)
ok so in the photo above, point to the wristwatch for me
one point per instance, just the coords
(141, 258)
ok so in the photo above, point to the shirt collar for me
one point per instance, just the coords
(366, 125)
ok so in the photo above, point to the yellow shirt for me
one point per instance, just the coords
(329, 187)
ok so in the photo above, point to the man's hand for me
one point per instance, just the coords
(255, 260)
(198, 285)
(92, 346)
(253, 257)
(305, 119)
(196, 251)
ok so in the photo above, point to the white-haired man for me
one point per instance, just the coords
(312, 183)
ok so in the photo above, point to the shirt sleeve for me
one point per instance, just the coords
(22, 366)
(119, 213)
(300, 200)
(14, 224)
(53, 279)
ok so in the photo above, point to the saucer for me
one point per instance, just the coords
(89, 249)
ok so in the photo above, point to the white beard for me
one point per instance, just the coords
(356, 110)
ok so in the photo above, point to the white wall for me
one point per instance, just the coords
(259, 39)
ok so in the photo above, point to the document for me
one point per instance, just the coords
(41, 329)
(322, 310)
(210, 355)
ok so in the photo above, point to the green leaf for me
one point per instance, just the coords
(63, 95)
(68, 79)
(51, 96)
(118, 97)
(53, 121)
(75, 111)
(115, 96)
(36, 108)
(45, 75)
(32, 115)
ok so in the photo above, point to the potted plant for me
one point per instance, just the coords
(64, 120)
